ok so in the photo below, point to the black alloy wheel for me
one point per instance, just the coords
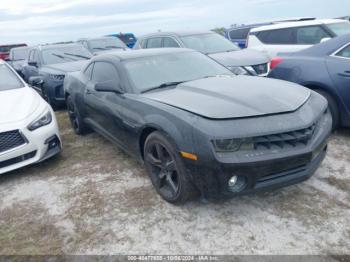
(77, 124)
(166, 169)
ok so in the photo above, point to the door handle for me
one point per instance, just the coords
(88, 92)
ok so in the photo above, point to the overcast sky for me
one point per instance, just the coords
(42, 21)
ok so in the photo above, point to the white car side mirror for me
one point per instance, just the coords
(325, 39)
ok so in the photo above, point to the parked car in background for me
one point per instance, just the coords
(18, 58)
(48, 65)
(128, 38)
(5, 50)
(324, 68)
(28, 127)
(102, 44)
(239, 34)
(196, 125)
(295, 36)
(248, 62)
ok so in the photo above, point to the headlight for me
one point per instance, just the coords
(42, 121)
(232, 145)
(238, 70)
(56, 77)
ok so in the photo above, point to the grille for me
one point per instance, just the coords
(285, 140)
(260, 69)
(10, 140)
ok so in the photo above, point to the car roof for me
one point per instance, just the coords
(139, 53)
(178, 33)
(97, 38)
(296, 24)
(21, 47)
(54, 46)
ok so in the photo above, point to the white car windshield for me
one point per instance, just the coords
(8, 79)
(209, 43)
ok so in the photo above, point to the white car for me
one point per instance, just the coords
(295, 36)
(28, 127)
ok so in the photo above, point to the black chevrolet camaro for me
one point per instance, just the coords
(197, 127)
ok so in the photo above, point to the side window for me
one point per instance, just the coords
(239, 33)
(31, 56)
(88, 71)
(310, 35)
(169, 42)
(36, 56)
(279, 36)
(144, 44)
(103, 72)
(154, 42)
(345, 52)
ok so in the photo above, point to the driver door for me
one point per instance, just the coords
(339, 69)
(104, 109)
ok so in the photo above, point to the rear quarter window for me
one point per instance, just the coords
(344, 52)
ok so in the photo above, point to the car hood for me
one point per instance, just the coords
(245, 57)
(17, 104)
(110, 51)
(68, 67)
(233, 97)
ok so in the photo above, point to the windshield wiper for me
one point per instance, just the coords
(63, 57)
(76, 55)
(115, 47)
(164, 85)
(99, 48)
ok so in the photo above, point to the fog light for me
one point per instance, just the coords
(232, 182)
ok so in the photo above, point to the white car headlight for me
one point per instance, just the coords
(43, 120)
(238, 70)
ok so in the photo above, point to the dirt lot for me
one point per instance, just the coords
(94, 199)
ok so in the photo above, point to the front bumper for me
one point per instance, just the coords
(257, 176)
(39, 145)
(257, 171)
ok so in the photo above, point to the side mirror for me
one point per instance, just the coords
(36, 81)
(325, 39)
(109, 86)
(32, 63)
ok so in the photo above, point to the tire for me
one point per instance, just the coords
(333, 107)
(166, 170)
(78, 125)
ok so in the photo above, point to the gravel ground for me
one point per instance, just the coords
(94, 199)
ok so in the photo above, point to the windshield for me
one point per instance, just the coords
(340, 28)
(106, 43)
(127, 38)
(149, 72)
(8, 79)
(65, 54)
(209, 43)
(20, 54)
